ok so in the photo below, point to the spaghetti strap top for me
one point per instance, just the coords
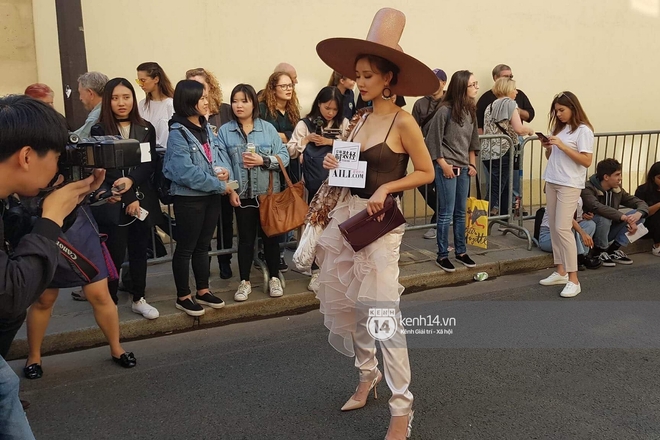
(383, 165)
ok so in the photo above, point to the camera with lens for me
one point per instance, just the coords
(81, 156)
(319, 122)
(330, 133)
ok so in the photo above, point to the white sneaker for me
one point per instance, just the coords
(275, 288)
(570, 290)
(244, 290)
(431, 234)
(554, 280)
(143, 308)
(313, 285)
(656, 251)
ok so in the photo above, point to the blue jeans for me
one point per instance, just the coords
(498, 183)
(545, 242)
(452, 201)
(13, 422)
(608, 231)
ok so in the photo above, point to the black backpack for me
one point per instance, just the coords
(161, 183)
(312, 169)
(538, 219)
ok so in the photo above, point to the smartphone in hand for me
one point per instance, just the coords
(456, 170)
(543, 137)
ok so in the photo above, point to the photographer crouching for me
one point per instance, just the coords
(32, 136)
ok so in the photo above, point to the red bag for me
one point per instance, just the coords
(362, 229)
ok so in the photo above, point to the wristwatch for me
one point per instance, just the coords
(266, 161)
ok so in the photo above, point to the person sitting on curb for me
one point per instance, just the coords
(583, 229)
(602, 197)
(650, 193)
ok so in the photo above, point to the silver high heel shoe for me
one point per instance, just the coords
(352, 404)
(411, 416)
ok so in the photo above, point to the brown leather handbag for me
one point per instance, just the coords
(362, 229)
(284, 211)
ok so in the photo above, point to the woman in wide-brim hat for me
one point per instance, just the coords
(350, 283)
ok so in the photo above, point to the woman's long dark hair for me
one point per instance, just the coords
(329, 93)
(650, 184)
(107, 117)
(578, 116)
(457, 99)
(154, 71)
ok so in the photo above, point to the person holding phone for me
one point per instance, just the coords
(453, 141)
(127, 219)
(252, 145)
(569, 150)
(193, 151)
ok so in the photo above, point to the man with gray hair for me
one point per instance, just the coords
(289, 70)
(90, 89)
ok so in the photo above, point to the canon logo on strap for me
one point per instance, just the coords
(71, 254)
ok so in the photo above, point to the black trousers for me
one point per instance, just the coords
(247, 220)
(8, 330)
(196, 219)
(225, 234)
(653, 225)
(430, 196)
(136, 237)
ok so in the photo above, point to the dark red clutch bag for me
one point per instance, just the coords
(362, 229)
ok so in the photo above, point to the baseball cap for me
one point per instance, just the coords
(440, 74)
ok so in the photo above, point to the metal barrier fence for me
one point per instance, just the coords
(636, 150)
(419, 217)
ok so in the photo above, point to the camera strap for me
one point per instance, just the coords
(84, 268)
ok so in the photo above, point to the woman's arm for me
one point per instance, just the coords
(299, 140)
(518, 126)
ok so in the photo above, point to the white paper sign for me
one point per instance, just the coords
(145, 152)
(347, 153)
(641, 231)
(349, 178)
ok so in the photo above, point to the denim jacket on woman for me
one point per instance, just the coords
(187, 166)
(267, 141)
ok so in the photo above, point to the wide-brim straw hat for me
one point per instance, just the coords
(414, 78)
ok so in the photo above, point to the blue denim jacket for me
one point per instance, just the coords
(187, 166)
(267, 142)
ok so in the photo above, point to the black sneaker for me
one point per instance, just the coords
(208, 299)
(606, 260)
(592, 262)
(283, 266)
(445, 264)
(466, 260)
(620, 257)
(190, 307)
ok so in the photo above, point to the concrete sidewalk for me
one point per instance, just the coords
(72, 325)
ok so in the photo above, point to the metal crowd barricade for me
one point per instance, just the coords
(635, 150)
(505, 218)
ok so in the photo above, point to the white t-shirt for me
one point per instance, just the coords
(159, 114)
(561, 169)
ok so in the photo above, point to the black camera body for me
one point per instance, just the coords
(81, 156)
(319, 122)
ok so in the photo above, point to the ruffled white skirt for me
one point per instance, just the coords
(350, 282)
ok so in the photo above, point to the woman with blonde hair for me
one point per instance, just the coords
(501, 117)
(569, 150)
(350, 282)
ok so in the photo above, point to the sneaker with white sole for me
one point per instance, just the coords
(190, 307)
(570, 290)
(606, 259)
(554, 280)
(620, 257)
(655, 251)
(313, 285)
(431, 234)
(244, 290)
(209, 299)
(275, 288)
(142, 307)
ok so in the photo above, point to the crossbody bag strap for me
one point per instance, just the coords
(286, 175)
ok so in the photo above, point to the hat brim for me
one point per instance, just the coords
(414, 79)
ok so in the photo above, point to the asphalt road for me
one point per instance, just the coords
(520, 363)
